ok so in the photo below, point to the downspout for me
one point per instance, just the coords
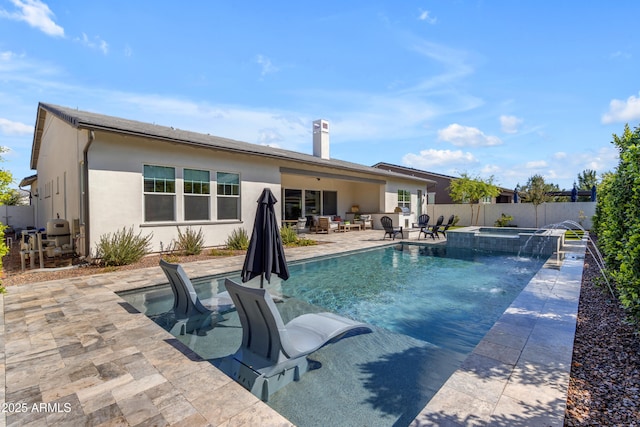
(85, 195)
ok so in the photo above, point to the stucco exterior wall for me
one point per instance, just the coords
(114, 187)
(116, 168)
(58, 181)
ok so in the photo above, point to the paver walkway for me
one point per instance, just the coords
(74, 353)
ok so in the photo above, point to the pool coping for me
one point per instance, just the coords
(107, 364)
(518, 375)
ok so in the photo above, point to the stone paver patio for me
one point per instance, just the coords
(74, 353)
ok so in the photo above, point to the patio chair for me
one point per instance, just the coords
(423, 223)
(446, 227)
(387, 224)
(326, 225)
(435, 229)
(191, 312)
(365, 221)
(301, 225)
(273, 354)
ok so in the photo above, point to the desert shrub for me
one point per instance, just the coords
(221, 252)
(122, 247)
(288, 235)
(503, 221)
(171, 258)
(190, 242)
(306, 242)
(238, 240)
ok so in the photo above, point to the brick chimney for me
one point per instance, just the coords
(321, 139)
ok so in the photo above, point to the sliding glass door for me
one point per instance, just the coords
(330, 203)
(292, 204)
(314, 202)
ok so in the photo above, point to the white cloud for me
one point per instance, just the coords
(456, 64)
(464, 136)
(510, 124)
(36, 14)
(95, 43)
(490, 170)
(620, 54)
(560, 155)
(425, 15)
(622, 111)
(429, 158)
(536, 164)
(8, 127)
(270, 137)
(266, 64)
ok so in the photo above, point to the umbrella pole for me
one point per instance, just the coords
(261, 280)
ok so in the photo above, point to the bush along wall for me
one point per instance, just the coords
(617, 220)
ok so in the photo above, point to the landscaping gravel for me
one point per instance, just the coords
(604, 389)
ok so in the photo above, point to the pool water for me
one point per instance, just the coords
(428, 307)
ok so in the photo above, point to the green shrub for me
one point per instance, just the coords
(191, 242)
(171, 258)
(4, 250)
(238, 240)
(122, 247)
(221, 252)
(503, 221)
(306, 242)
(288, 235)
(617, 220)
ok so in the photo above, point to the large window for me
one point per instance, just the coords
(312, 202)
(197, 190)
(309, 203)
(159, 193)
(404, 199)
(292, 204)
(228, 195)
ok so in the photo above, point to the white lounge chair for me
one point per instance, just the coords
(273, 354)
(189, 310)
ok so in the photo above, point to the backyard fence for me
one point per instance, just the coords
(17, 217)
(524, 214)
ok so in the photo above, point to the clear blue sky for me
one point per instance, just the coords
(504, 88)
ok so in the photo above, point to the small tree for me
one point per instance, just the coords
(472, 190)
(5, 195)
(587, 179)
(6, 179)
(14, 198)
(535, 192)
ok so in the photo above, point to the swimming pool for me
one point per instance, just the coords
(428, 307)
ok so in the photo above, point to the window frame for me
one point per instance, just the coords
(404, 198)
(204, 192)
(230, 189)
(154, 190)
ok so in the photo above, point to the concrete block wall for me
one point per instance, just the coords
(524, 214)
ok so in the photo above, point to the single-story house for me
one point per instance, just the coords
(104, 173)
(438, 190)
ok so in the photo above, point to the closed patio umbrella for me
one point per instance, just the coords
(266, 253)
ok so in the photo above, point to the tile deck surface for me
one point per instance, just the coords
(74, 353)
